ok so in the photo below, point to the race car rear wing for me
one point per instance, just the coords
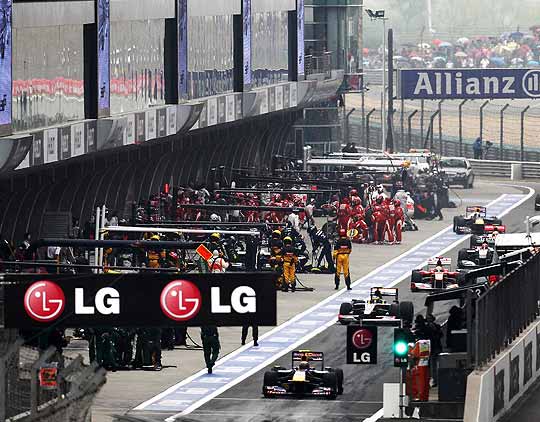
(476, 209)
(307, 356)
(445, 262)
(380, 292)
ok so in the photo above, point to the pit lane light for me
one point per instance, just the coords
(400, 347)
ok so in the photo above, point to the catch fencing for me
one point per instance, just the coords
(505, 311)
(24, 395)
(450, 127)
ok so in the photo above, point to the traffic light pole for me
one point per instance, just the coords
(401, 389)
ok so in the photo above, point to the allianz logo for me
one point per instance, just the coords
(455, 83)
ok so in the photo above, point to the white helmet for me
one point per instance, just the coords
(214, 217)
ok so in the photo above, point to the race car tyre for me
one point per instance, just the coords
(537, 202)
(463, 255)
(394, 310)
(339, 375)
(416, 277)
(345, 308)
(406, 311)
(330, 380)
(270, 379)
(474, 241)
(459, 221)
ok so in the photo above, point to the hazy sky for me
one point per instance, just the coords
(451, 18)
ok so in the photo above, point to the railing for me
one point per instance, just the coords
(319, 64)
(503, 312)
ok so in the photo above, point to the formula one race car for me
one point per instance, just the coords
(436, 277)
(303, 379)
(478, 255)
(478, 240)
(476, 221)
(376, 307)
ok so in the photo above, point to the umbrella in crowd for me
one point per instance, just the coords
(516, 49)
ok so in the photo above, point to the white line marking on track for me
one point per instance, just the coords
(376, 416)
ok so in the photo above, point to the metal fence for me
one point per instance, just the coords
(25, 397)
(450, 127)
(503, 312)
(319, 64)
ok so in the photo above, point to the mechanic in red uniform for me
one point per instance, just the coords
(398, 220)
(344, 214)
(390, 219)
(357, 221)
(379, 220)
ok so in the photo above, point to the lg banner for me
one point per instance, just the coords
(138, 300)
(361, 345)
(473, 84)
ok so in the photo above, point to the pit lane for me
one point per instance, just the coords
(363, 385)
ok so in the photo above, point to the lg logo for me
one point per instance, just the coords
(181, 300)
(44, 301)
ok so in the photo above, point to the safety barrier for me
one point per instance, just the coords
(494, 168)
(493, 390)
(504, 326)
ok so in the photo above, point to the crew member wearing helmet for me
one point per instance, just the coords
(290, 261)
(399, 219)
(342, 251)
(214, 218)
(319, 239)
(344, 213)
(215, 244)
(154, 255)
(379, 220)
(217, 263)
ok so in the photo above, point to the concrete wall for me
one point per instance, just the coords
(493, 391)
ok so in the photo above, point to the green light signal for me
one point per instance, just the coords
(400, 348)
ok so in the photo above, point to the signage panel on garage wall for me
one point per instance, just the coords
(246, 24)
(104, 45)
(182, 21)
(6, 76)
(472, 84)
(138, 300)
(300, 35)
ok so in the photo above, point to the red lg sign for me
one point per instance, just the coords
(44, 301)
(180, 300)
(362, 339)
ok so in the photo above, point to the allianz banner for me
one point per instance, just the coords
(139, 300)
(473, 84)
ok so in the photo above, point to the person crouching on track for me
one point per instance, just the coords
(290, 261)
(342, 251)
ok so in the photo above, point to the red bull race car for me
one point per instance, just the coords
(476, 221)
(304, 379)
(376, 307)
(436, 277)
